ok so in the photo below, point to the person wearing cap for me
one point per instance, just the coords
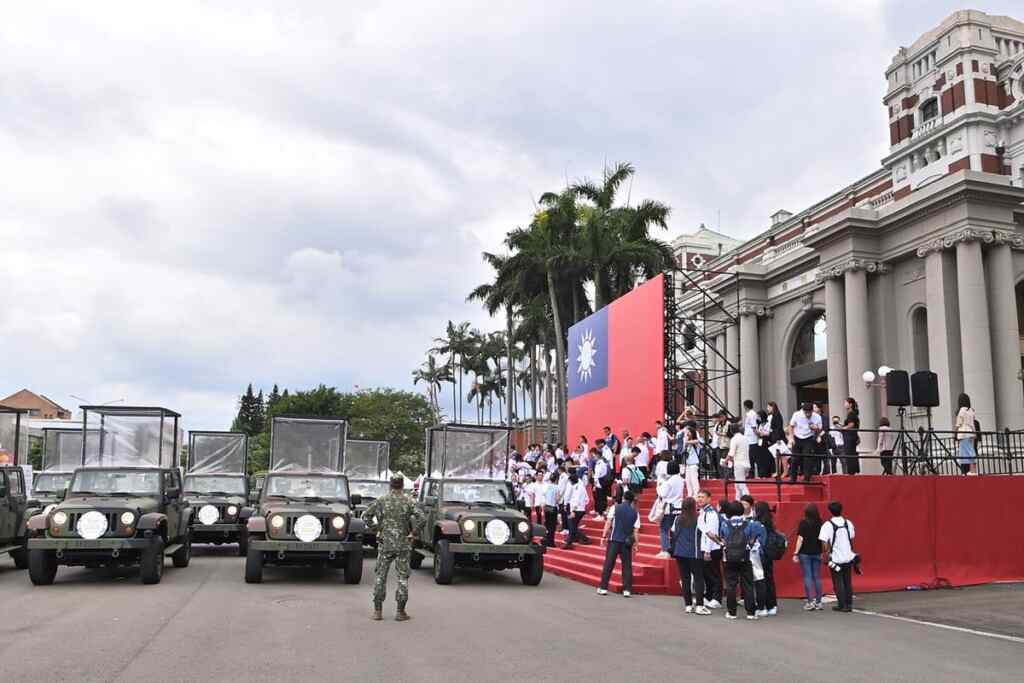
(806, 425)
(395, 518)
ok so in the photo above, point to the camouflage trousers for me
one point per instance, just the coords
(380, 578)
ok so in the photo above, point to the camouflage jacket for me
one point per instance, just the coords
(394, 516)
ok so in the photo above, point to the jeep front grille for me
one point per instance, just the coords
(289, 525)
(113, 524)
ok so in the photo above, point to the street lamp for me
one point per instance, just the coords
(869, 377)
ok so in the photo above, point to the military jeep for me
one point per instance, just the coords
(472, 520)
(62, 455)
(15, 506)
(304, 515)
(216, 487)
(124, 506)
(366, 466)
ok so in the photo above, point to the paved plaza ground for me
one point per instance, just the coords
(204, 623)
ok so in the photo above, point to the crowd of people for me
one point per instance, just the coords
(724, 550)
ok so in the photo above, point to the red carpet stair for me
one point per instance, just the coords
(650, 574)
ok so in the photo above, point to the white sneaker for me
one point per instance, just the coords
(808, 606)
(752, 617)
(701, 610)
(662, 555)
(761, 613)
(730, 616)
(689, 609)
(627, 594)
(772, 612)
(602, 591)
(713, 604)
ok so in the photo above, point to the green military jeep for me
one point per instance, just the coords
(472, 519)
(124, 505)
(217, 487)
(366, 466)
(304, 515)
(15, 506)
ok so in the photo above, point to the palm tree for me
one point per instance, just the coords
(503, 293)
(433, 375)
(457, 344)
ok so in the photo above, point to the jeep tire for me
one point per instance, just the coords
(151, 564)
(243, 543)
(20, 557)
(444, 563)
(253, 566)
(42, 567)
(183, 555)
(353, 566)
(415, 560)
(532, 570)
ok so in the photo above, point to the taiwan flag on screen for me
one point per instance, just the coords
(615, 372)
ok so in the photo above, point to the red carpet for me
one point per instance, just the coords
(910, 531)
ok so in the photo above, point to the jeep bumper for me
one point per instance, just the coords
(199, 528)
(488, 549)
(302, 547)
(100, 544)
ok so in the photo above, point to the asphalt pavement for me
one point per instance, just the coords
(204, 623)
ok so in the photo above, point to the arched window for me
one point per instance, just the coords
(810, 345)
(919, 337)
(929, 110)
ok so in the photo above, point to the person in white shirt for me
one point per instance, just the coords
(692, 444)
(750, 422)
(738, 459)
(661, 438)
(837, 536)
(670, 494)
(709, 525)
(602, 482)
(967, 450)
(549, 495)
(643, 460)
(806, 425)
(578, 500)
(661, 467)
(835, 446)
(563, 500)
(527, 495)
(886, 444)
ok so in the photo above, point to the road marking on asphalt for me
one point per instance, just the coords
(961, 629)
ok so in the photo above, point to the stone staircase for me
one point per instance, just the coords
(650, 574)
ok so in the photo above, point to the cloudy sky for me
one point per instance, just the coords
(199, 195)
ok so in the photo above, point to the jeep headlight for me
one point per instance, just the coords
(497, 532)
(338, 523)
(523, 527)
(127, 518)
(60, 518)
(232, 510)
(468, 526)
(277, 521)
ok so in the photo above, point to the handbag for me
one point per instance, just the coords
(657, 512)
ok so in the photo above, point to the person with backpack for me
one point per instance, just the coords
(837, 535)
(631, 477)
(739, 535)
(686, 543)
(620, 536)
(670, 495)
(708, 525)
(772, 548)
(808, 554)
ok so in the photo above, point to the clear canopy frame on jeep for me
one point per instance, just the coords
(307, 444)
(212, 452)
(62, 448)
(13, 441)
(130, 436)
(456, 451)
(367, 459)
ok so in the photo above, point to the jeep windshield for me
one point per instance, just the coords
(306, 487)
(476, 493)
(116, 483)
(214, 485)
(369, 489)
(51, 483)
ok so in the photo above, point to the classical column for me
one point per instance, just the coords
(732, 382)
(975, 337)
(1005, 334)
(858, 348)
(943, 331)
(835, 345)
(750, 361)
(719, 358)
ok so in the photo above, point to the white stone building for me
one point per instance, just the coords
(916, 266)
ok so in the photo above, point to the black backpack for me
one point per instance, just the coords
(736, 548)
(775, 545)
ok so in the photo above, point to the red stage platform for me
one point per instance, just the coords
(910, 531)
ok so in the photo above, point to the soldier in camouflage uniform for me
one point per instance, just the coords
(395, 517)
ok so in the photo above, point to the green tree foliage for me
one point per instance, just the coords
(251, 416)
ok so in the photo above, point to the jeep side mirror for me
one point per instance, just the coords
(356, 499)
(62, 494)
(173, 492)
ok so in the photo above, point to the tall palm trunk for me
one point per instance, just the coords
(455, 394)
(533, 393)
(599, 286)
(511, 368)
(559, 351)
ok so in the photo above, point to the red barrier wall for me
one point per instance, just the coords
(913, 530)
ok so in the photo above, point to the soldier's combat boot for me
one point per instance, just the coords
(400, 615)
(378, 612)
